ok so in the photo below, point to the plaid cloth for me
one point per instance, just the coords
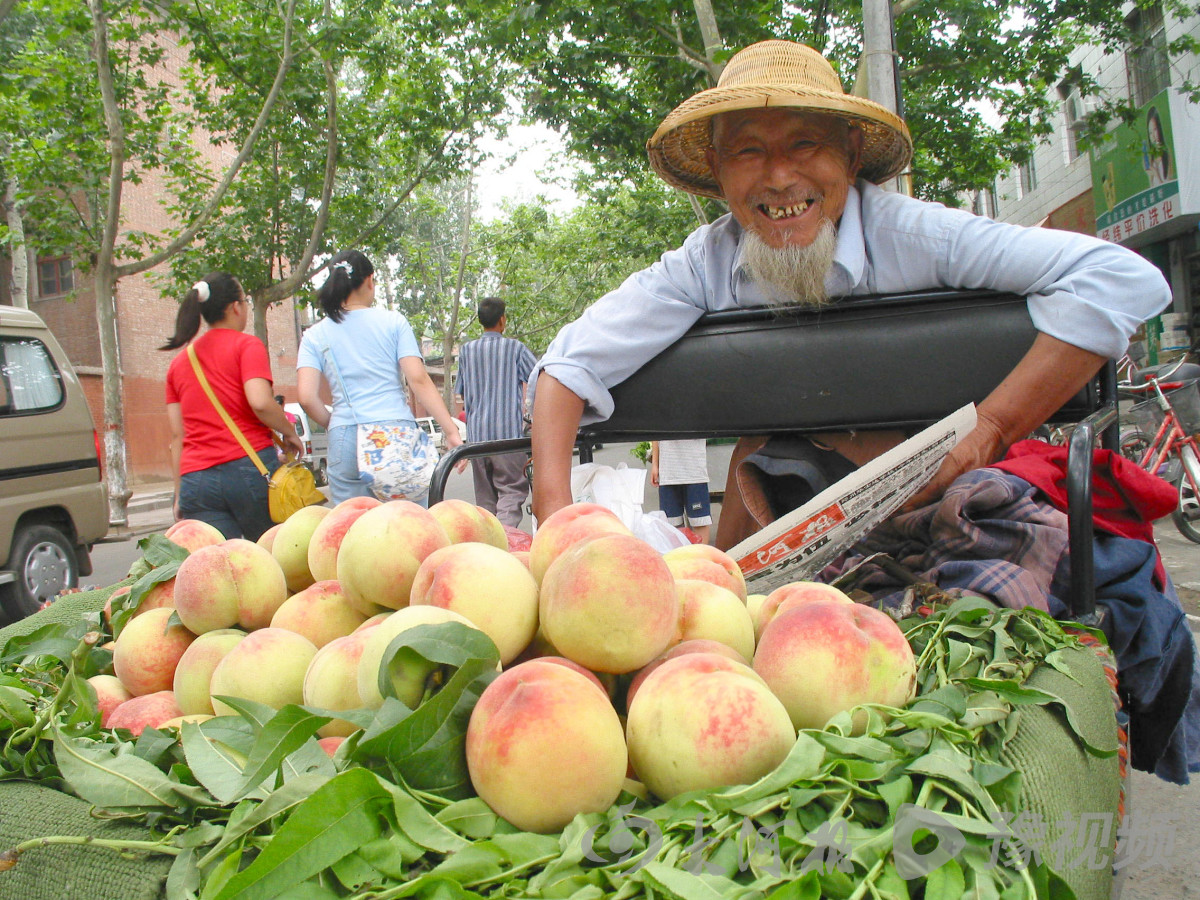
(992, 533)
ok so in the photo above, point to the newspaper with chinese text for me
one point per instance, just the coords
(797, 546)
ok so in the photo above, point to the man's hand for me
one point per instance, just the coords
(981, 447)
(1045, 378)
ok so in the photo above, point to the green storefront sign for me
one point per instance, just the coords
(1134, 179)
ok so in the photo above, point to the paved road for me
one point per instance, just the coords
(1172, 809)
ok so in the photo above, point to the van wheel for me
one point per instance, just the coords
(320, 475)
(44, 564)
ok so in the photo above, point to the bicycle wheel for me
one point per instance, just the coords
(1134, 443)
(1187, 513)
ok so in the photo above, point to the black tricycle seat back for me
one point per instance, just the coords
(874, 362)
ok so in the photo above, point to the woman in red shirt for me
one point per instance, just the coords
(214, 479)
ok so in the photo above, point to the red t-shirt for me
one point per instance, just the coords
(229, 359)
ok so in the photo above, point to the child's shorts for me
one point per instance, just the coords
(677, 499)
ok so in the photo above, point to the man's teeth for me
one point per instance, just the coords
(782, 212)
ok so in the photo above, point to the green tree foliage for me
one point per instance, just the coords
(607, 72)
(549, 267)
(384, 97)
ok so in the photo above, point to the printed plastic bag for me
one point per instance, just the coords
(622, 490)
(396, 461)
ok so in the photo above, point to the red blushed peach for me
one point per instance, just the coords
(710, 612)
(701, 722)
(576, 667)
(110, 694)
(792, 595)
(266, 540)
(290, 547)
(382, 551)
(114, 597)
(331, 681)
(320, 612)
(146, 711)
(193, 674)
(236, 583)
(488, 586)
(161, 596)
(327, 538)
(148, 650)
(826, 657)
(567, 527)
(609, 604)
(267, 666)
(704, 562)
(693, 646)
(409, 681)
(465, 522)
(374, 620)
(330, 744)
(192, 534)
(543, 745)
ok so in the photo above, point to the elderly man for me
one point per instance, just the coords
(798, 161)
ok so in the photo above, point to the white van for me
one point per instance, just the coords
(315, 440)
(430, 426)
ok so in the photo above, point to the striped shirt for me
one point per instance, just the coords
(683, 462)
(491, 371)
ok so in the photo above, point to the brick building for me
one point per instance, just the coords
(145, 318)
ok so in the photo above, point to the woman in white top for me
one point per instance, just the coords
(363, 352)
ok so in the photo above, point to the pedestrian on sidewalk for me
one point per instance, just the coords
(365, 354)
(493, 373)
(680, 471)
(215, 481)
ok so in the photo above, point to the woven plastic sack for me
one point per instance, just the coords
(28, 811)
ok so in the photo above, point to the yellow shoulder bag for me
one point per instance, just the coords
(292, 486)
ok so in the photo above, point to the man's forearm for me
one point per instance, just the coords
(1046, 378)
(556, 414)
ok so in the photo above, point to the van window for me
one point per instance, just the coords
(29, 380)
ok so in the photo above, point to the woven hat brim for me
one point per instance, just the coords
(677, 148)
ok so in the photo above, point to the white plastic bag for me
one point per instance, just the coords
(622, 490)
(655, 530)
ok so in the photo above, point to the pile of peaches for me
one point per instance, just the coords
(619, 663)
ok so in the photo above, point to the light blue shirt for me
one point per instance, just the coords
(367, 346)
(1081, 290)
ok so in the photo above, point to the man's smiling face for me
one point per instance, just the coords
(783, 172)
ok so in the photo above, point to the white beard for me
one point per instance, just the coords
(791, 275)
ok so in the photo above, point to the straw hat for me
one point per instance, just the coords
(773, 74)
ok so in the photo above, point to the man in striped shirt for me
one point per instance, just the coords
(493, 372)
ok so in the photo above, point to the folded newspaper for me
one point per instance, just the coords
(797, 546)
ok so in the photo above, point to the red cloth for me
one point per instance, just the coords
(229, 359)
(1126, 499)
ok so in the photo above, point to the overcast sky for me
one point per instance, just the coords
(518, 170)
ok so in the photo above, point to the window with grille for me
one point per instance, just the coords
(1146, 59)
(1074, 111)
(56, 276)
(1028, 176)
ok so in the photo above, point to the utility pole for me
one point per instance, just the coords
(879, 63)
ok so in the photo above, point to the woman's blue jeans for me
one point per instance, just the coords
(232, 497)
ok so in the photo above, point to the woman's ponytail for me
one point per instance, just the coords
(347, 270)
(207, 298)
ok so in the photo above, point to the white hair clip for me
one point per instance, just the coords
(202, 291)
(345, 266)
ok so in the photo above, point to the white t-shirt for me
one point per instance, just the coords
(683, 462)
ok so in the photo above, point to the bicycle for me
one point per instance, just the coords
(1161, 437)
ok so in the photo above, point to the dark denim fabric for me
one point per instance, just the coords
(232, 497)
